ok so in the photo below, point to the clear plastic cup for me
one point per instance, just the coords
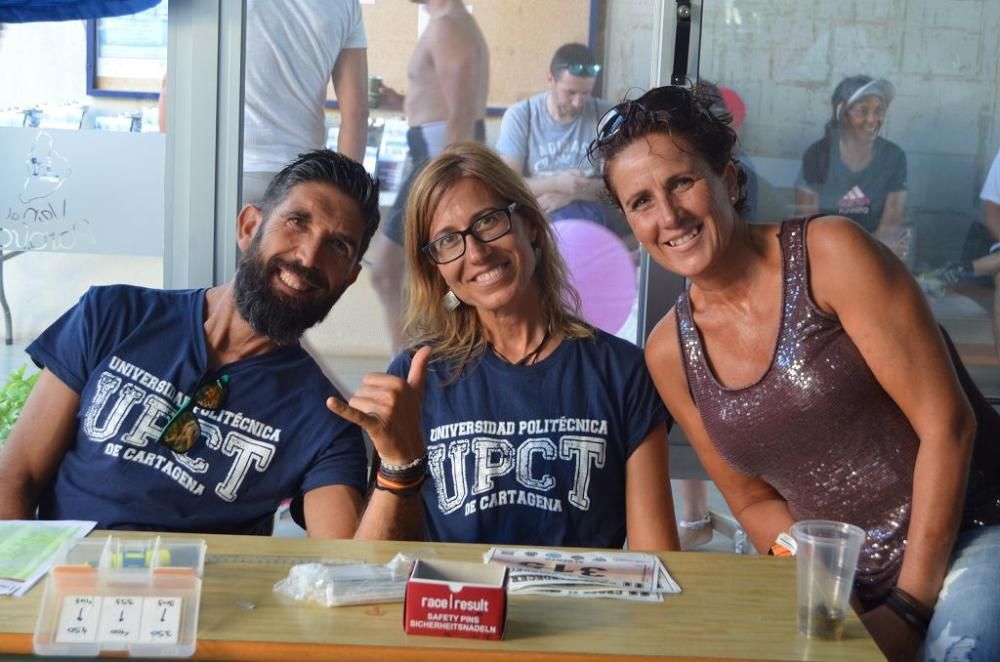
(826, 559)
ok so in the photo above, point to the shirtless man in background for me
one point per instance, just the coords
(449, 81)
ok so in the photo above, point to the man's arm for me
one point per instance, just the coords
(515, 131)
(553, 191)
(455, 59)
(331, 511)
(556, 191)
(392, 517)
(390, 99)
(350, 82)
(36, 446)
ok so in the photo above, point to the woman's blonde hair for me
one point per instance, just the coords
(457, 335)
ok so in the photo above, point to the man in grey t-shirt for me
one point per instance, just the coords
(545, 138)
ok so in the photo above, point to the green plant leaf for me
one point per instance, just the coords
(13, 394)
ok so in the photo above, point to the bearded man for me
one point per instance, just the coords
(198, 410)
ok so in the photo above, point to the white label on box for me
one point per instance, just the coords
(161, 620)
(78, 619)
(120, 616)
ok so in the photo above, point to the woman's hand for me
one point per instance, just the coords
(898, 641)
(389, 408)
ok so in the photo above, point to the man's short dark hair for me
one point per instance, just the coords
(569, 55)
(337, 170)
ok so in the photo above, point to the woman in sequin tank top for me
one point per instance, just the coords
(810, 376)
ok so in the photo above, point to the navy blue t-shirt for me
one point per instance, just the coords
(134, 355)
(535, 455)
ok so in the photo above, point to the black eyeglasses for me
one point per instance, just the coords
(584, 70)
(183, 428)
(660, 98)
(489, 226)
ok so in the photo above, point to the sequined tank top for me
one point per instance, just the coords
(819, 428)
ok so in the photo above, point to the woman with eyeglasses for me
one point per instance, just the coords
(808, 373)
(852, 171)
(539, 429)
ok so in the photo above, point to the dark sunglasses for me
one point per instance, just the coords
(488, 226)
(583, 70)
(183, 428)
(660, 98)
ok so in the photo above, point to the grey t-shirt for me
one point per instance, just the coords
(547, 147)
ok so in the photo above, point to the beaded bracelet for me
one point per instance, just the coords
(403, 467)
(913, 612)
(404, 473)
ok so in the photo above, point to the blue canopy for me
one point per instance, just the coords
(25, 11)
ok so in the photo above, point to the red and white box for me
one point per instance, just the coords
(455, 599)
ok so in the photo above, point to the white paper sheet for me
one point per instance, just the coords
(28, 548)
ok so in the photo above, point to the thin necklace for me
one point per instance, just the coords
(531, 356)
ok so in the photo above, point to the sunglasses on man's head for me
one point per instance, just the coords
(583, 70)
(183, 428)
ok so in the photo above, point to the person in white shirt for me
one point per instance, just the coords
(293, 49)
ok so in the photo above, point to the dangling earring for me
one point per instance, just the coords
(450, 301)
(538, 254)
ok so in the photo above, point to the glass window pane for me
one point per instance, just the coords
(886, 113)
(81, 164)
(283, 115)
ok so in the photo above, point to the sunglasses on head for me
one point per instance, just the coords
(666, 99)
(660, 98)
(584, 70)
(183, 428)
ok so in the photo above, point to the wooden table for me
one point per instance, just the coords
(731, 607)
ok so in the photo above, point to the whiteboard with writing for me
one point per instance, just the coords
(81, 191)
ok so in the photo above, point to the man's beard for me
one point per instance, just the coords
(281, 318)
